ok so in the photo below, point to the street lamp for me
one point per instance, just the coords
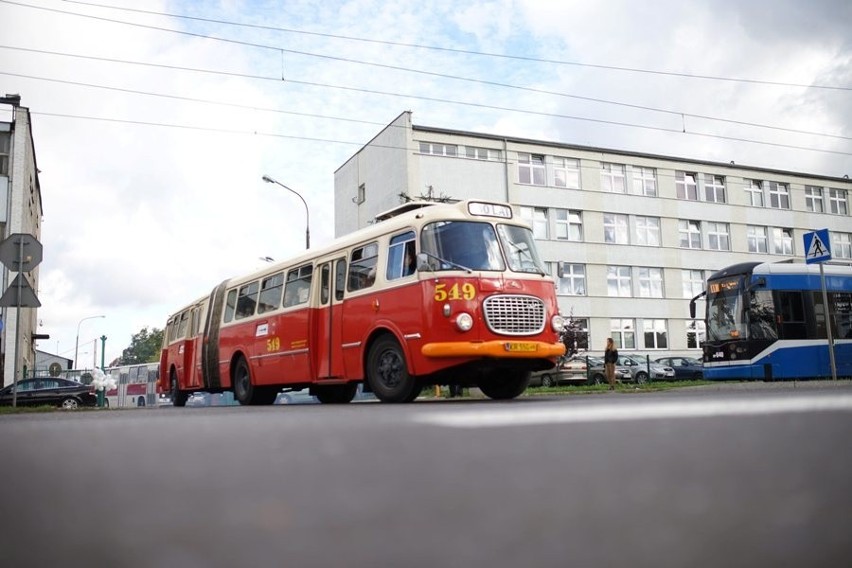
(77, 344)
(268, 179)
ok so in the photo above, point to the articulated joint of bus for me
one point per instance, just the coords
(497, 348)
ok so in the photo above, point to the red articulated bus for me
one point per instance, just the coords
(431, 294)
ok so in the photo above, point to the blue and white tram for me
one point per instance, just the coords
(767, 321)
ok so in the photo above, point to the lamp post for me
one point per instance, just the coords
(77, 343)
(268, 179)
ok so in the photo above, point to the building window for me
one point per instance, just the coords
(616, 229)
(438, 149)
(612, 178)
(650, 282)
(618, 281)
(648, 231)
(531, 169)
(756, 237)
(482, 153)
(714, 189)
(837, 201)
(566, 173)
(569, 225)
(754, 193)
(782, 241)
(537, 218)
(571, 279)
(696, 334)
(718, 237)
(623, 333)
(779, 195)
(577, 335)
(813, 199)
(693, 283)
(841, 245)
(690, 234)
(5, 141)
(656, 336)
(645, 181)
(687, 185)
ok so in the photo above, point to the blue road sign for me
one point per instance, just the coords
(817, 246)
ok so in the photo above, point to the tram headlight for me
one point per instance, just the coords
(557, 323)
(464, 321)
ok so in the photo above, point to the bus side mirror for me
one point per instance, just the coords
(423, 262)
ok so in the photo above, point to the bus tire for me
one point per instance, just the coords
(336, 394)
(388, 374)
(502, 385)
(244, 391)
(178, 396)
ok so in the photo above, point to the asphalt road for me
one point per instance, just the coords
(754, 475)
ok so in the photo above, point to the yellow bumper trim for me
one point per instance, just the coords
(500, 349)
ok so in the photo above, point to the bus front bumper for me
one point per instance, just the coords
(498, 349)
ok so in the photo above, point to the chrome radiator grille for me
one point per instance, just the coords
(514, 315)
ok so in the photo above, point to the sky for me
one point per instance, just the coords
(154, 121)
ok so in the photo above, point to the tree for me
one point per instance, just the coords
(144, 347)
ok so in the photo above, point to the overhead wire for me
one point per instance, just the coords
(404, 69)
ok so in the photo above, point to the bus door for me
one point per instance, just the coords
(288, 342)
(327, 329)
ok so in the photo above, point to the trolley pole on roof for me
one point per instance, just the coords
(268, 179)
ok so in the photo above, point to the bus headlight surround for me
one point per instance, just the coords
(464, 321)
(557, 323)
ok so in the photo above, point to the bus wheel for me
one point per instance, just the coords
(244, 391)
(501, 385)
(178, 396)
(387, 374)
(337, 394)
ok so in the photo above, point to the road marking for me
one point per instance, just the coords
(643, 411)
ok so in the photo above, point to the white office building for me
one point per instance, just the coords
(629, 238)
(20, 213)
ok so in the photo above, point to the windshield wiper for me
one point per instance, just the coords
(422, 263)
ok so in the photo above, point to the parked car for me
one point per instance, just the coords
(571, 371)
(50, 391)
(295, 397)
(597, 374)
(684, 367)
(639, 367)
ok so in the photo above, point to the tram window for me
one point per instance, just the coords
(298, 287)
(362, 268)
(791, 315)
(842, 310)
(247, 300)
(230, 305)
(270, 293)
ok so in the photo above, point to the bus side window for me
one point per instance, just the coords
(325, 283)
(402, 260)
(270, 293)
(230, 305)
(298, 287)
(247, 300)
(340, 279)
(362, 269)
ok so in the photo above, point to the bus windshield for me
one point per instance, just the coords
(518, 243)
(725, 311)
(451, 245)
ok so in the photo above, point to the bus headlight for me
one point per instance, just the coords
(464, 321)
(557, 323)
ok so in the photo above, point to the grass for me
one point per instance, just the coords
(653, 386)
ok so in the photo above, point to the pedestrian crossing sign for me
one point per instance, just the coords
(817, 246)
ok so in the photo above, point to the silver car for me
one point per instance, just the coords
(639, 368)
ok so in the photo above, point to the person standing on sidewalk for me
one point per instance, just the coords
(610, 359)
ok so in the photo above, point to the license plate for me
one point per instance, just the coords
(515, 347)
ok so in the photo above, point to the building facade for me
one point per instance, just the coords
(20, 212)
(629, 238)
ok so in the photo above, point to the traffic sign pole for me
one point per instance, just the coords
(818, 249)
